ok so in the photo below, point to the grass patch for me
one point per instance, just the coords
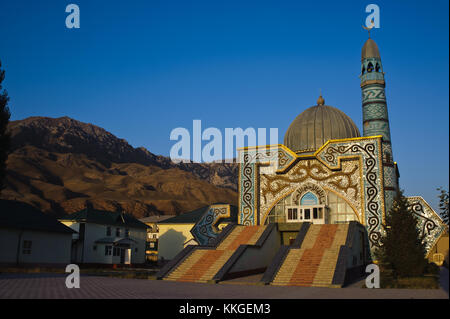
(91, 271)
(429, 280)
(122, 274)
(31, 270)
(425, 282)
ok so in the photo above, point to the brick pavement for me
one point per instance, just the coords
(51, 286)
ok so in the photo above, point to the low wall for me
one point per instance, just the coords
(250, 259)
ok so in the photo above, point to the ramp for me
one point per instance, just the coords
(315, 262)
(201, 264)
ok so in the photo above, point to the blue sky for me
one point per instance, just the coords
(142, 68)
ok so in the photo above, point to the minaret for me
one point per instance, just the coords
(375, 114)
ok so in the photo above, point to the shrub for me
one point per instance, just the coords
(402, 249)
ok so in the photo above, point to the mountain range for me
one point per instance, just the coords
(60, 164)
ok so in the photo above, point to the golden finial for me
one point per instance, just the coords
(320, 100)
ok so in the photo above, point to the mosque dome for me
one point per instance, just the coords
(370, 50)
(316, 125)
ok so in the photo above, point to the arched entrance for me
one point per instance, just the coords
(317, 206)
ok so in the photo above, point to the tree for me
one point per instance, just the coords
(443, 204)
(5, 140)
(403, 250)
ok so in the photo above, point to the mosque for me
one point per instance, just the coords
(311, 211)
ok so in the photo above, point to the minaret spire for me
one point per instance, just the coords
(375, 113)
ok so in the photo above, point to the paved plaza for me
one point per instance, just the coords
(52, 286)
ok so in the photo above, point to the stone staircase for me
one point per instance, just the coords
(314, 263)
(203, 263)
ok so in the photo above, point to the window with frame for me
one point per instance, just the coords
(108, 231)
(315, 213)
(307, 213)
(127, 233)
(117, 232)
(26, 248)
(292, 213)
(108, 250)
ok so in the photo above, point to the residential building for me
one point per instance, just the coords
(28, 236)
(106, 237)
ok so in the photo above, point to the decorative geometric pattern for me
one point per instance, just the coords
(311, 175)
(250, 159)
(374, 111)
(430, 225)
(375, 128)
(369, 151)
(389, 199)
(309, 188)
(205, 230)
(373, 93)
(387, 149)
(352, 167)
(374, 105)
(389, 177)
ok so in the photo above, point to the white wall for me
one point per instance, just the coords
(46, 247)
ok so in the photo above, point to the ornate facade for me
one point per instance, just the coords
(327, 173)
(311, 210)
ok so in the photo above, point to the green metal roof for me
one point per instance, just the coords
(18, 215)
(90, 215)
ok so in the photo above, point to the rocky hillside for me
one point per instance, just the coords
(59, 164)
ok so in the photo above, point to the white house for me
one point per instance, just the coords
(106, 237)
(28, 236)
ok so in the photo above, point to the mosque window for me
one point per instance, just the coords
(377, 67)
(307, 213)
(363, 70)
(292, 213)
(307, 209)
(309, 199)
(370, 67)
(339, 210)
